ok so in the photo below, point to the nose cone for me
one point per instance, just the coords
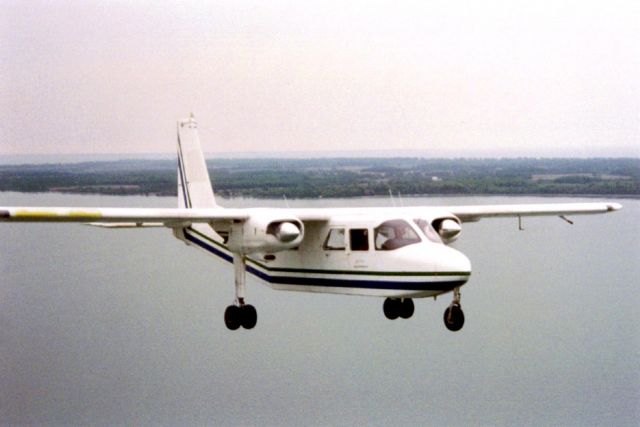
(452, 261)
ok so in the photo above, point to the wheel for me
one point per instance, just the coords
(233, 317)
(454, 318)
(391, 308)
(406, 308)
(249, 316)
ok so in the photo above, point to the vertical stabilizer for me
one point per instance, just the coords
(194, 185)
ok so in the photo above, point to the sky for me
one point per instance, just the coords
(445, 78)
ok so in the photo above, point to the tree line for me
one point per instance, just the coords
(339, 177)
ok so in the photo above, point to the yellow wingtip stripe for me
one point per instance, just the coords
(29, 214)
(33, 214)
(87, 215)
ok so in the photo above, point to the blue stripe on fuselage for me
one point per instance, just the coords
(206, 246)
(324, 282)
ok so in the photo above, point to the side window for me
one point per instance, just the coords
(335, 240)
(359, 239)
(394, 234)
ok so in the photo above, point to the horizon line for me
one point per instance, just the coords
(27, 159)
(318, 154)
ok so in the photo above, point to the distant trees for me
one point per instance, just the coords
(340, 177)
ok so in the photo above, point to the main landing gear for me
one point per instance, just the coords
(240, 314)
(398, 307)
(453, 315)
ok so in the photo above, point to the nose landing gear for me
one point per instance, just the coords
(453, 315)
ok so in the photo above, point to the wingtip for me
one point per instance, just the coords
(611, 207)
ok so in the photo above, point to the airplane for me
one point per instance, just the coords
(396, 253)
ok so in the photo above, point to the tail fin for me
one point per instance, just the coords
(194, 185)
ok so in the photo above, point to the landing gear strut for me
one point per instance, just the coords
(396, 307)
(240, 314)
(453, 315)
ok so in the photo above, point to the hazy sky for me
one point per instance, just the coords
(450, 77)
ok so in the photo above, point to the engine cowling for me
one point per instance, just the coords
(265, 234)
(449, 229)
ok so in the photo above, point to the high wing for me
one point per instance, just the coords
(475, 213)
(121, 217)
(152, 217)
(178, 217)
(471, 213)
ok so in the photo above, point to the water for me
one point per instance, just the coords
(112, 327)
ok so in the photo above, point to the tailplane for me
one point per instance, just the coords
(194, 186)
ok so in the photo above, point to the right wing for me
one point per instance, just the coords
(122, 217)
(152, 217)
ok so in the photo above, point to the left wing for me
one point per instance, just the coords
(475, 213)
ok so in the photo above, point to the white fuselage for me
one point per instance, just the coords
(424, 267)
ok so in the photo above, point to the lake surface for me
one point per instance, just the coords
(125, 327)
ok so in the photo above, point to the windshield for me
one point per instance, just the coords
(394, 234)
(428, 230)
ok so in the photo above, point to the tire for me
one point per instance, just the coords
(232, 317)
(249, 316)
(391, 308)
(407, 308)
(454, 318)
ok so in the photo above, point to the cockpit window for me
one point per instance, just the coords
(428, 230)
(394, 234)
(335, 240)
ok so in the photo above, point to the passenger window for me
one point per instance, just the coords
(335, 240)
(359, 239)
(394, 234)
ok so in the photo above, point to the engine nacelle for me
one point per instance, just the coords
(449, 229)
(265, 234)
